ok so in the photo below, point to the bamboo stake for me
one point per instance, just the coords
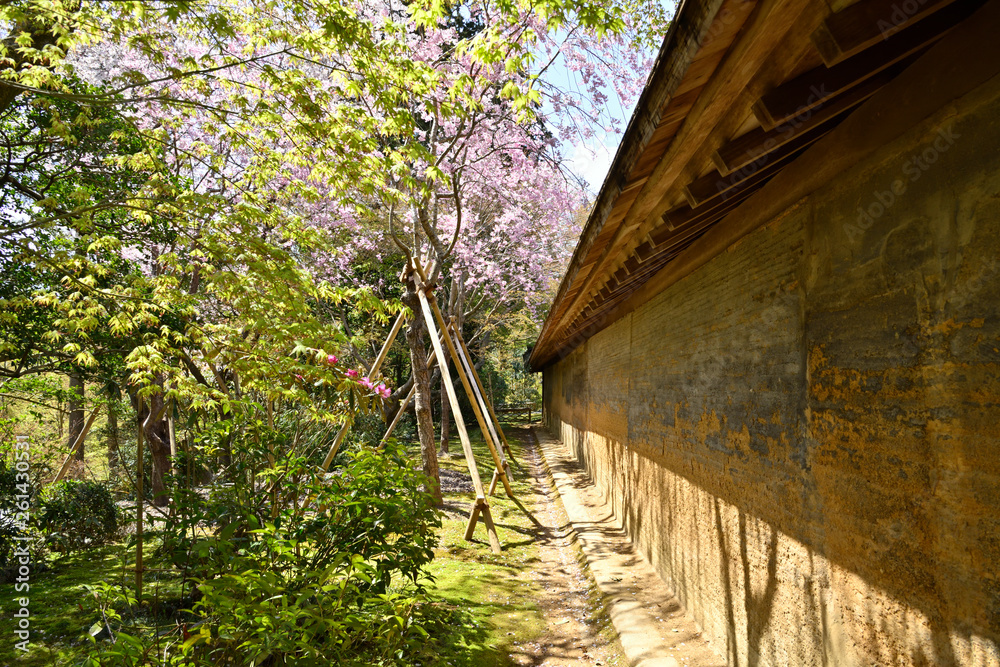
(138, 512)
(376, 365)
(76, 444)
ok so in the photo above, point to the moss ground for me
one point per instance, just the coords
(491, 588)
(61, 609)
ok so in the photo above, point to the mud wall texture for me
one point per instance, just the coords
(802, 435)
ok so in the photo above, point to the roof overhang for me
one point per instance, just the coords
(740, 90)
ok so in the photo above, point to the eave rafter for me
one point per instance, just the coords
(756, 94)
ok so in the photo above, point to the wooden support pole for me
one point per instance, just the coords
(271, 459)
(449, 387)
(76, 445)
(431, 362)
(480, 418)
(138, 510)
(376, 365)
(336, 445)
(491, 529)
(389, 340)
(498, 445)
(470, 527)
(170, 431)
(399, 414)
(427, 305)
(482, 507)
(479, 383)
(484, 407)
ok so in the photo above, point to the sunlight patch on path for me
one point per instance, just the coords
(653, 627)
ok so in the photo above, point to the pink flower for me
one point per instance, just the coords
(382, 391)
(331, 359)
(351, 373)
(298, 377)
(366, 383)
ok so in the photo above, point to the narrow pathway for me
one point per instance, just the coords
(651, 628)
(578, 630)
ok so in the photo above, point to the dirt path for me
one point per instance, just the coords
(578, 633)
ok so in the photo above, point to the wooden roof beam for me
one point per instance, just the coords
(816, 87)
(684, 217)
(644, 250)
(865, 24)
(753, 145)
(714, 185)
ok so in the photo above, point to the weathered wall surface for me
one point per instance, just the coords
(802, 436)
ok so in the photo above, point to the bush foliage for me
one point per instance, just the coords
(13, 534)
(334, 577)
(76, 514)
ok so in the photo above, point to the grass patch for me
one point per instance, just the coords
(489, 589)
(62, 611)
(493, 602)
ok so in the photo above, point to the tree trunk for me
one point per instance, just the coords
(422, 394)
(157, 439)
(77, 388)
(114, 438)
(445, 420)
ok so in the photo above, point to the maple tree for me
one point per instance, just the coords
(186, 184)
(247, 139)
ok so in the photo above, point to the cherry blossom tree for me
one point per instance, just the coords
(486, 206)
(265, 133)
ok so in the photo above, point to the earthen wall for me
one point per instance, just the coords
(803, 436)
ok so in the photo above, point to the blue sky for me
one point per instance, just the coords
(591, 158)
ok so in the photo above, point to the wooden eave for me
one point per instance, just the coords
(740, 90)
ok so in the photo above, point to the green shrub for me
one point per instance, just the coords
(335, 577)
(8, 486)
(14, 538)
(78, 514)
(13, 535)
